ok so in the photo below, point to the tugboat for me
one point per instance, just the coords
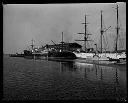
(33, 52)
(28, 53)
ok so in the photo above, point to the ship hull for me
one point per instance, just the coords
(50, 55)
(16, 55)
(62, 55)
(102, 56)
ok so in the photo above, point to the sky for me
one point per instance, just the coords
(46, 22)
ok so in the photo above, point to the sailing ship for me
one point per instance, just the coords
(88, 52)
(91, 54)
(115, 56)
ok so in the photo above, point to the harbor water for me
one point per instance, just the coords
(28, 79)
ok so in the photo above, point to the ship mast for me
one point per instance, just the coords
(101, 31)
(85, 38)
(32, 44)
(117, 28)
(62, 41)
(85, 35)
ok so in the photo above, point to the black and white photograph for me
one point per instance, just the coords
(64, 51)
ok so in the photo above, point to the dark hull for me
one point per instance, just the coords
(16, 55)
(51, 55)
(62, 55)
(27, 53)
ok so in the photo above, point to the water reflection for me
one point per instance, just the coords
(67, 66)
(95, 73)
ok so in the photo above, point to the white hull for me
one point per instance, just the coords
(84, 55)
(101, 56)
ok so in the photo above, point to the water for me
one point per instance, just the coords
(27, 79)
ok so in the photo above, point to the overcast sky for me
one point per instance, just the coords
(46, 22)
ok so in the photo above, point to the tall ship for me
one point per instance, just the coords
(117, 54)
(100, 55)
(88, 52)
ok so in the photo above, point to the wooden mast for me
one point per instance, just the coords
(101, 31)
(32, 44)
(117, 30)
(85, 35)
(85, 38)
(62, 41)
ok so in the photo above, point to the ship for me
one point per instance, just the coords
(88, 52)
(59, 51)
(16, 55)
(116, 55)
(50, 53)
(100, 55)
(31, 52)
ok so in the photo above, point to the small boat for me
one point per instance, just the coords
(16, 55)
